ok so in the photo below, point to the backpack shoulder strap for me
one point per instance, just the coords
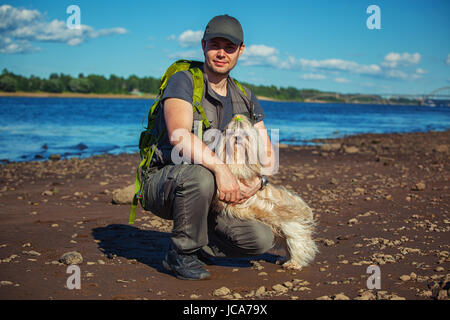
(199, 86)
(241, 88)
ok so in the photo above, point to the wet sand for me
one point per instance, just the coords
(379, 200)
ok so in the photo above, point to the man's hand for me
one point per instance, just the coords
(249, 188)
(227, 184)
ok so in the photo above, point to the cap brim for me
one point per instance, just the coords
(221, 35)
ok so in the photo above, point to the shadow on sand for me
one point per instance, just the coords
(150, 247)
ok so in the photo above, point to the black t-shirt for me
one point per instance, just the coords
(180, 86)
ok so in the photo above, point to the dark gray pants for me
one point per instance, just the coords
(184, 193)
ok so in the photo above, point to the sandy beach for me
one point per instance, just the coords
(379, 199)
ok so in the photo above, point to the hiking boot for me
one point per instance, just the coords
(184, 266)
(204, 258)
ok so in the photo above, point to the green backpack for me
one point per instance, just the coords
(148, 141)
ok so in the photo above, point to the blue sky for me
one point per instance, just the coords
(320, 44)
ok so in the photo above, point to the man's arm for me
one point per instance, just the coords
(179, 119)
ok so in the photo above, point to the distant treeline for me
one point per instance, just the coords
(60, 83)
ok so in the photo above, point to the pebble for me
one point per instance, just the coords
(123, 195)
(366, 295)
(260, 291)
(351, 149)
(32, 253)
(279, 288)
(341, 296)
(223, 291)
(405, 277)
(47, 193)
(442, 295)
(439, 269)
(324, 298)
(72, 257)
(360, 190)
(237, 295)
(55, 157)
(419, 186)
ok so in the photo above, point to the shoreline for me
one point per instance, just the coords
(150, 96)
(321, 143)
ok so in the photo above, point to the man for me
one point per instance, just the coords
(184, 192)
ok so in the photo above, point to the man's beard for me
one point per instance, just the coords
(216, 71)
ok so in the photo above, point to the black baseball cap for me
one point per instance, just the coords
(226, 27)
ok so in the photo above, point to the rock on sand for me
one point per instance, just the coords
(124, 195)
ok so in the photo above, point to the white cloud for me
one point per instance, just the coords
(396, 74)
(313, 76)
(341, 80)
(190, 38)
(394, 59)
(339, 65)
(262, 55)
(189, 55)
(19, 46)
(392, 67)
(421, 71)
(259, 54)
(19, 27)
(11, 18)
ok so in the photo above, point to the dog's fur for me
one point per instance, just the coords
(290, 218)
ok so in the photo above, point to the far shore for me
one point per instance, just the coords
(76, 95)
(90, 95)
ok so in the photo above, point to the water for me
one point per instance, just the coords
(35, 128)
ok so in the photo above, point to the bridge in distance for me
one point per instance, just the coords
(438, 97)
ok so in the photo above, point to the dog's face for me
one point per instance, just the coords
(239, 147)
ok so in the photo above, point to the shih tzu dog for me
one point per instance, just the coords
(289, 217)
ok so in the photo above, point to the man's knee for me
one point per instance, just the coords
(201, 180)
